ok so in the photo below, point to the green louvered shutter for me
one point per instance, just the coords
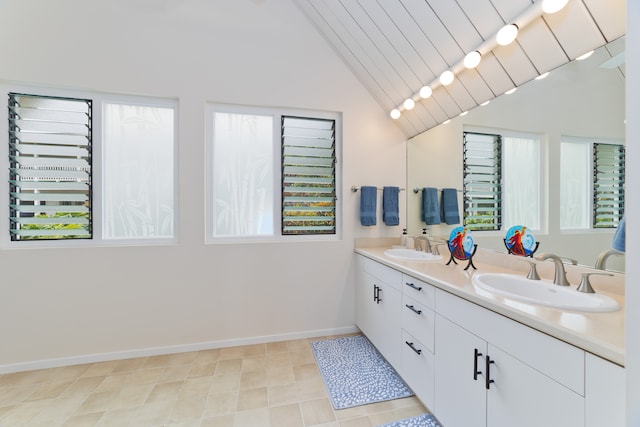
(50, 167)
(308, 176)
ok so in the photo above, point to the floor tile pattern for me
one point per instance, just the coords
(272, 385)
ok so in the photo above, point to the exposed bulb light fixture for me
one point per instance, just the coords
(425, 92)
(464, 113)
(485, 103)
(446, 121)
(395, 114)
(507, 34)
(510, 91)
(409, 104)
(446, 78)
(542, 76)
(552, 6)
(584, 56)
(472, 59)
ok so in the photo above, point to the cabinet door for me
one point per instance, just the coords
(604, 393)
(460, 400)
(378, 316)
(521, 396)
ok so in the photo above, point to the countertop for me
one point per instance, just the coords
(599, 333)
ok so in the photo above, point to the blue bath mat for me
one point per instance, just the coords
(424, 420)
(355, 373)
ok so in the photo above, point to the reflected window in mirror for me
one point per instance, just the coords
(598, 166)
(502, 182)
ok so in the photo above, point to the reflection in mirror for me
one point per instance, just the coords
(580, 101)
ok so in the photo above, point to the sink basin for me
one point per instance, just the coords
(407, 254)
(543, 293)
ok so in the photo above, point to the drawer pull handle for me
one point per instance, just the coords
(412, 308)
(411, 285)
(488, 380)
(476, 354)
(376, 294)
(410, 344)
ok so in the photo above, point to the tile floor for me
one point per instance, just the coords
(275, 384)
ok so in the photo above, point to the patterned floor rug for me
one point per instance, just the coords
(355, 373)
(424, 420)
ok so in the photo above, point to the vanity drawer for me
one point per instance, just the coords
(418, 368)
(382, 273)
(419, 321)
(420, 291)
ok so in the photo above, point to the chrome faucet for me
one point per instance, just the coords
(601, 262)
(560, 277)
(427, 243)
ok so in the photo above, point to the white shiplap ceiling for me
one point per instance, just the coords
(395, 47)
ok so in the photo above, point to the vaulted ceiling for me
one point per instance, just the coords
(395, 47)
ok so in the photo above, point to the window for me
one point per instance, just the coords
(482, 183)
(502, 180)
(591, 184)
(89, 167)
(138, 171)
(50, 167)
(272, 174)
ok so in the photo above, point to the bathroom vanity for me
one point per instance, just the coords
(478, 359)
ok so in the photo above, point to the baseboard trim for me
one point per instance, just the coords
(157, 351)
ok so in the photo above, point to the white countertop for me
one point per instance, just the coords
(599, 333)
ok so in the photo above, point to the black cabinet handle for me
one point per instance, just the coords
(376, 294)
(411, 285)
(476, 354)
(412, 308)
(488, 380)
(410, 344)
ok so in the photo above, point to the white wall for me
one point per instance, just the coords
(58, 305)
(566, 103)
(632, 320)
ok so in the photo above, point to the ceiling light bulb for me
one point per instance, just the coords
(409, 104)
(584, 56)
(472, 59)
(507, 34)
(485, 103)
(552, 6)
(464, 113)
(510, 91)
(425, 92)
(446, 78)
(542, 76)
(446, 121)
(395, 114)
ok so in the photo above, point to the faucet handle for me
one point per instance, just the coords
(533, 272)
(585, 284)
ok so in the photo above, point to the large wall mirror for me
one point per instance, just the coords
(582, 100)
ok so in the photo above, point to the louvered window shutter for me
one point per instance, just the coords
(308, 176)
(608, 185)
(482, 185)
(50, 167)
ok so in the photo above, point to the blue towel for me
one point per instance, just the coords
(368, 200)
(390, 213)
(449, 206)
(430, 210)
(618, 242)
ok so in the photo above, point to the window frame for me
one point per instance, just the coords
(503, 135)
(97, 155)
(277, 113)
(590, 209)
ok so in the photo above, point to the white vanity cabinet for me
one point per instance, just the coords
(604, 393)
(418, 361)
(491, 371)
(378, 302)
